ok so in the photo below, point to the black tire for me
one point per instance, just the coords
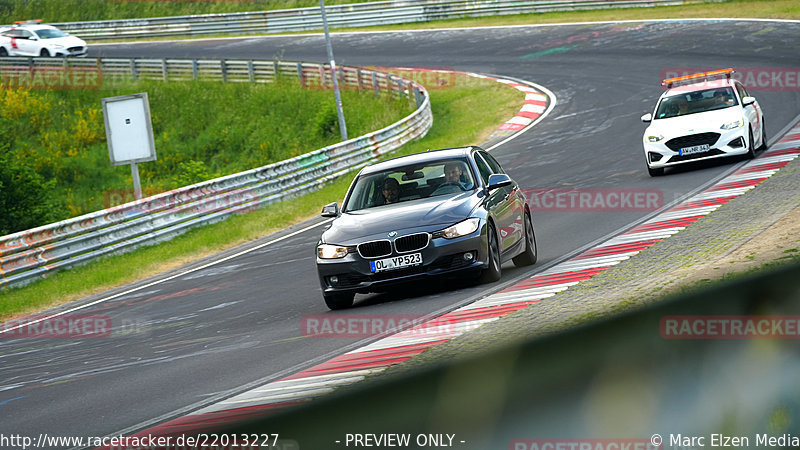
(751, 146)
(494, 271)
(657, 172)
(763, 136)
(44, 53)
(3, 52)
(529, 256)
(339, 300)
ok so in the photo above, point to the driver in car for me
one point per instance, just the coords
(452, 174)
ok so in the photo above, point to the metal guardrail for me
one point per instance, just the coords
(339, 16)
(30, 254)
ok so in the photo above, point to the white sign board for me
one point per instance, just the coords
(128, 129)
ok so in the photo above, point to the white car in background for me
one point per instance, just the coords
(704, 118)
(35, 39)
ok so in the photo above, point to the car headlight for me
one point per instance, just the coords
(59, 46)
(732, 125)
(655, 138)
(326, 251)
(462, 228)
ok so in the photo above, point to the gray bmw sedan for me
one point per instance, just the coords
(436, 213)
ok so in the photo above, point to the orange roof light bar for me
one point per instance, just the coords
(714, 73)
(20, 22)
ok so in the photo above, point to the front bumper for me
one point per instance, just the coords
(71, 51)
(666, 153)
(441, 257)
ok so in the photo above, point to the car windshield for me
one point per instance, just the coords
(411, 182)
(696, 102)
(48, 33)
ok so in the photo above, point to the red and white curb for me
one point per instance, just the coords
(536, 104)
(539, 101)
(375, 357)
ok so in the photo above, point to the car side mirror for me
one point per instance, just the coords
(647, 118)
(747, 101)
(331, 210)
(498, 180)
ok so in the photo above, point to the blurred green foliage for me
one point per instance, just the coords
(87, 10)
(202, 130)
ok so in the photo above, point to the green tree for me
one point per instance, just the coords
(26, 198)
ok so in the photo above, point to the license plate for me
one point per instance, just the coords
(397, 262)
(694, 149)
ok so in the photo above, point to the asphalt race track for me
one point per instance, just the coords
(204, 335)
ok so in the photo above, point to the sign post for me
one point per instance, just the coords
(129, 131)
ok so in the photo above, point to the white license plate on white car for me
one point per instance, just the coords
(694, 149)
(397, 262)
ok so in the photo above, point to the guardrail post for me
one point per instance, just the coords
(224, 67)
(250, 71)
(30, 62)
(164, 69)
(133, 69)
(418, 96)
(275, 70)
(194, 69)
(358, 79)
(375, 86)
(322, 76)
(65, 62)
(301, 75)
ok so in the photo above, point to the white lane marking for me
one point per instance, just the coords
(220, 306)
(204, 266)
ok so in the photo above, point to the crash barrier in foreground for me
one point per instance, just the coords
(339, 16)
(717, 364)
(27, 255)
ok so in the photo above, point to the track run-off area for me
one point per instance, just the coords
(202, 334)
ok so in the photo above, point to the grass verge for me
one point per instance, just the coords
(463, 115)
(88, 10)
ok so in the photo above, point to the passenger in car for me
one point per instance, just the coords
(391, 190)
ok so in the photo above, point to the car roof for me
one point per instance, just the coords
(699, 86)
(430, 155)
(34, 26)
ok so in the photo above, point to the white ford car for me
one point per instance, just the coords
(34, 39)
(703, 118)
